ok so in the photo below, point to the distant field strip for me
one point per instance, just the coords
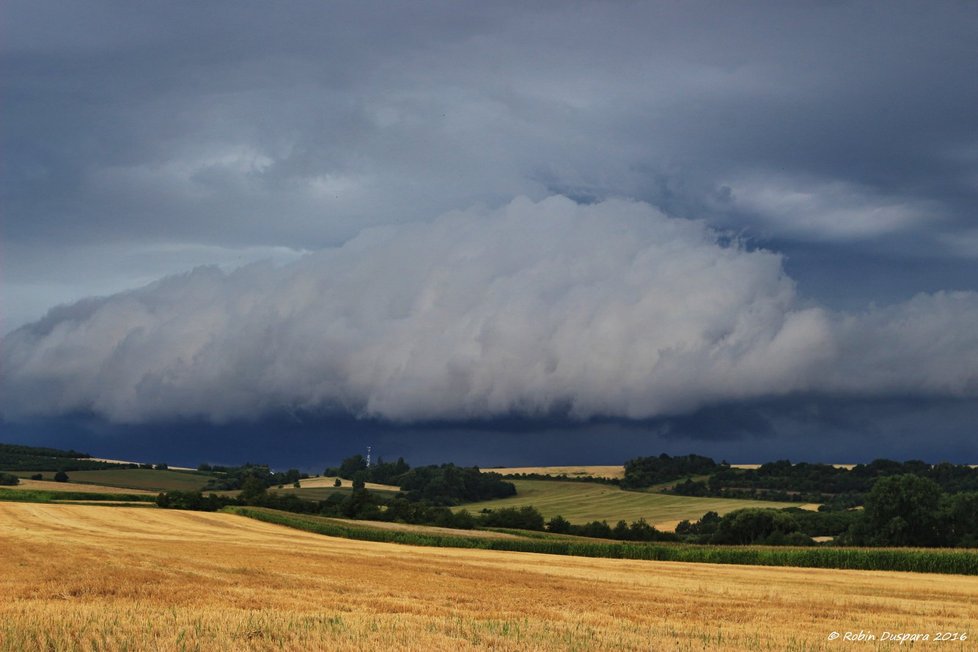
(757, 466)
(76, 487)
(580, 502)
(571, 471)
(423, 529)
(87, 578)
(329, 481)
(145, 479)
(323, 488)
(12, 494)
(601, 471)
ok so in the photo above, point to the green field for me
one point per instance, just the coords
(581, 502)
(149, 479)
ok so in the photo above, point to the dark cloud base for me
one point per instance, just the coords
(813, 429)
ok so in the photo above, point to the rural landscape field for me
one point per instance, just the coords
(114, 578)
(515, 326)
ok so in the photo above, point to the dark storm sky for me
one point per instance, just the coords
(500, 233)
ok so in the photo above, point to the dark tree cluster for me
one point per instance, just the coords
(8, 479)
(745, 526)
(637, 531)
(15, 457)
(824, 483)
(231, 478)
(909, 510)
(355, 467)
(401, 510)
(901, 510)
(516, 518)
(644, 472)
(448, 484)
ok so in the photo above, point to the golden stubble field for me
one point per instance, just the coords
(104, 578)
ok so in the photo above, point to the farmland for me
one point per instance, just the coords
(580, 502)
(118, 578)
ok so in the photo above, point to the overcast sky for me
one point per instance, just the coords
(662, 214)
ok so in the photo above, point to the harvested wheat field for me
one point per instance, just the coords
(87, 578)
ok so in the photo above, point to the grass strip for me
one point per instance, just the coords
(957, 562)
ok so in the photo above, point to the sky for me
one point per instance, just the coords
(490, 233)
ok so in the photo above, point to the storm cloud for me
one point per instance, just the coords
(535, 309)
(224, 132)
(673, 221)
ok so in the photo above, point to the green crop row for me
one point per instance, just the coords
(960, 562)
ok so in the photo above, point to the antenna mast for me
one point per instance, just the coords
(368, 457)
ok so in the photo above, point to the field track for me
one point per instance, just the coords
(82, 577)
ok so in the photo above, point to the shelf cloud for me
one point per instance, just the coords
(533, 309)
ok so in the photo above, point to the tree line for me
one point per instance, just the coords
(782, 480)
(901, 510)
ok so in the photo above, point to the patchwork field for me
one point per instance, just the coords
(80, 577)
(580, 502)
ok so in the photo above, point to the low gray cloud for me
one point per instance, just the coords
(533, 309)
